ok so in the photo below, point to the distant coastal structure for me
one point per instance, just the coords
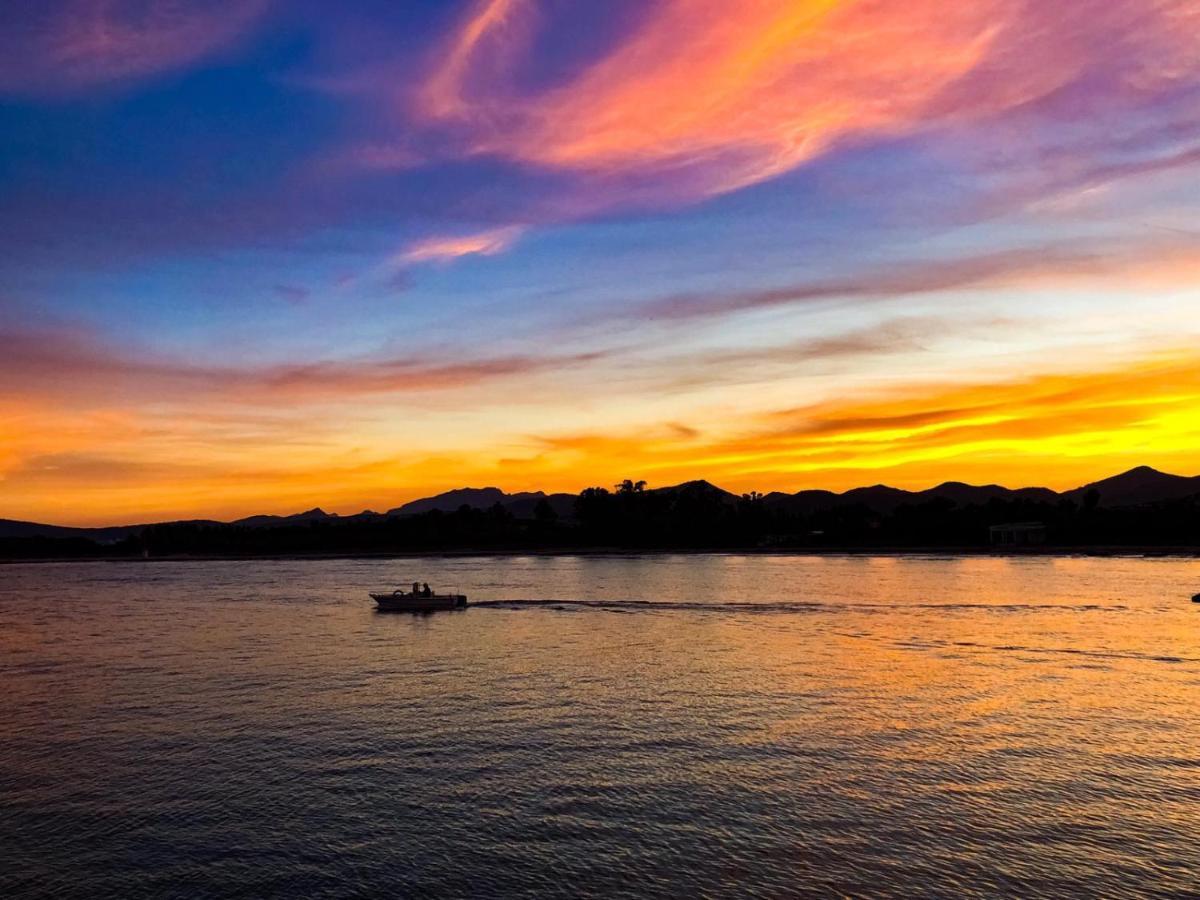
(1018, 534)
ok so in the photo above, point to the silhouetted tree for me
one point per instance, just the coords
(544, 513)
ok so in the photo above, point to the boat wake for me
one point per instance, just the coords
(780, 606)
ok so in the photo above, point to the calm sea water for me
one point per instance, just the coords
(690, 726)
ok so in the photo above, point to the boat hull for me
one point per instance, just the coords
(409, 603)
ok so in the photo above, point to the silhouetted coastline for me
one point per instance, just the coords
(1141, 511)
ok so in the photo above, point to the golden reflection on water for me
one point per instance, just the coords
(832, 724)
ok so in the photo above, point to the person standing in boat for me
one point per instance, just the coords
(416, 589)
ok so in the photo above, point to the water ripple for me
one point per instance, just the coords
(929, 727)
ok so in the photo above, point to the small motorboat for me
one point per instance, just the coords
(1196, 599)
(417, 601)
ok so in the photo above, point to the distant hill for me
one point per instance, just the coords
(521, 505)
(1138, 487)
(1141, 486)
(699, 490)
(10, 528)
(969, 494)
(524, 505)
(313, 515)
(879, 497)
(802, 503)
(885, 500)
(476, 498)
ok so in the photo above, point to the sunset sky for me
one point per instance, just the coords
(262, 255)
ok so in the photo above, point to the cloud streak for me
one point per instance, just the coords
(704, 97)
(64, 46)
(718, 96)
(448, 248)
(1164, 261)
(1059, 429)
(75, 366)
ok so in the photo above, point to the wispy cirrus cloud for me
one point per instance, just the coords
(75, 366)
(446, 248)
(714, 95)
(63, 46)
(1164, 262)
(701, 97)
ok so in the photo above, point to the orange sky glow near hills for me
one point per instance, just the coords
(1057, 431)
(774, 244)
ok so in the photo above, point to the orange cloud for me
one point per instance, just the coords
(719, 95)
(1051, 429)
(1056, 430)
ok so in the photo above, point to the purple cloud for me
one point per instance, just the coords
(65, 46)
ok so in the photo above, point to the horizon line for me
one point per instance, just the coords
(647, 489)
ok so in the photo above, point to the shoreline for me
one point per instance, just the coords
(1177, 552)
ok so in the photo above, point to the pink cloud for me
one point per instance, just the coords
(75, 365)
(702, 97)
(64, 46)
(1166, 262)
(447, 248)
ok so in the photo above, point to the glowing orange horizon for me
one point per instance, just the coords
(1053, 430)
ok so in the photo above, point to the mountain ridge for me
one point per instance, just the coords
(1142, 485)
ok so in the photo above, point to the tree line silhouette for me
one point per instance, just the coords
(696, 516)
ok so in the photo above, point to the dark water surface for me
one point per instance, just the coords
(690, 726)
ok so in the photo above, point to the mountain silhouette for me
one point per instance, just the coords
(476, 498)
(1141, 486)
(522, 504)
(107, 534)
(313, 515)
(1138, 487)
(885, 500)
(13, 528)
(695, 490)
(802, 503)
